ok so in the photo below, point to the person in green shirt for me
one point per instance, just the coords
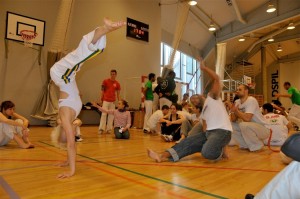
(148, 93)
(294, 95)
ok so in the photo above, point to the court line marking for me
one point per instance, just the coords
(147, 176)
(12, 194)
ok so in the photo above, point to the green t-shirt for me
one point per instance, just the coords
(295, 95)
(149, 92)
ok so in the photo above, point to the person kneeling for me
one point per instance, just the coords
(122, 119)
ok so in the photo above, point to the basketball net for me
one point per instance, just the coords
(182, 14)
(28, 37)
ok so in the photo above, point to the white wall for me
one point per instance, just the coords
(289, 72)
(22, 79)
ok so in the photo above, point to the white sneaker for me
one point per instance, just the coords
(164, 137)
(170, 138)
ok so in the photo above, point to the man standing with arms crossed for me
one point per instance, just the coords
(110, 91)
(294, 95)
(148, 93)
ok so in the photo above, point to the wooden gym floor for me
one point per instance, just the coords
(110, 168)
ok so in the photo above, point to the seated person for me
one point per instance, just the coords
(278, 108)
(187, 125)
(13, 126)
(153, 121)
(170, 125)
(278, 124)
(122, 119)
(284, 184)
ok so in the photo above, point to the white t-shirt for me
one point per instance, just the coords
(215, 115)
(185, 114)
(194, 117)
(251, 106)
(278, 124)
(154, 119)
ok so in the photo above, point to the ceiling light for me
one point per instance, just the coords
(271, 39)
(279, 48)
(271, 8)
(212, 27)
(192, 3)
(291, 26)
(242, 38)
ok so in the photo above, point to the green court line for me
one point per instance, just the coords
(147, 176)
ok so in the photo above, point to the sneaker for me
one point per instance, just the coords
(164, 137)
(78, 139)
(145, 131)
(100, 131)
(170, 138)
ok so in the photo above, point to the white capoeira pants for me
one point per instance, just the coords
(250, 135)
(107, 125)
(294, 114)
(7, 132)
(64, 71)
(284, 185)
(148, 113)
(164, 101)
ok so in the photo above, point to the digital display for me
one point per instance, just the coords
(137, 30)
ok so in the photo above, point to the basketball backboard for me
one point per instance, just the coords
(16, 23)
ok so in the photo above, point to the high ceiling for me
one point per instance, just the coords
(236, 18)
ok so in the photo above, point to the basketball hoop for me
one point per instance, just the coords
(28, 36)
(251, 85)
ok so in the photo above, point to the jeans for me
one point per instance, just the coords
(209, 144)
(123, 135)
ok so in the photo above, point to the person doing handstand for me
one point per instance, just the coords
(63, 75)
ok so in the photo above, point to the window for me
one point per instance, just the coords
(185, 67)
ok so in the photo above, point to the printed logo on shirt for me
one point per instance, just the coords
(164, 84)
(115, 85)
(243, 110)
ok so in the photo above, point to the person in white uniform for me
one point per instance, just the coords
(63, 74)
(285, 185)
(248, 123)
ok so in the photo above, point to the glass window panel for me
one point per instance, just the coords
(177, 67)
(189, 65)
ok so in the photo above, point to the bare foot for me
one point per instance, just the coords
(110, 25)
(62, 164)
(225, 154)
(153, 155)
(65, 175)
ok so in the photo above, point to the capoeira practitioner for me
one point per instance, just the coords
(294, 95)
(63, 74)
(211, 143)
(286, 183)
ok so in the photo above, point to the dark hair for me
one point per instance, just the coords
(177, 106)
(277, 102)
(186, 94)
(199, 106)
(151, 75)
(246, 87)
(113, 71)
(6, 105)
(268, 107)
(165, 107)
(172, 74)
(287, 84)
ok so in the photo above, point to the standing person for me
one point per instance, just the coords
(110, 91)
(63, 75)
(13, 126)
(249, 125)
(165, 90)
(294, 95)
(122, 119)
(217, 129)
(148, 93)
